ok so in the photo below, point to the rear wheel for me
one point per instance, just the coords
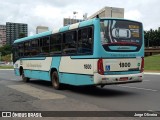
(24, 79)
(55, 80)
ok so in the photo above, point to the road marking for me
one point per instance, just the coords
(138, 88)
(35, 92)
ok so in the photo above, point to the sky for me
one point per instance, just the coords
(51, 12)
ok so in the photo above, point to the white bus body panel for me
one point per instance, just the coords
(68, 65)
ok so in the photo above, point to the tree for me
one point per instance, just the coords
(21, 35)
(152, 38)
(7, 58)
(5, 50)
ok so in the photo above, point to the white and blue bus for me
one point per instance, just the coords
(98, 51)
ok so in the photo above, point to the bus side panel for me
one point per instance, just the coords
(34, 74)
(76, 79)
(16, 71)
(55, 64)
(16, 68)
(37, 68)
(76, 71)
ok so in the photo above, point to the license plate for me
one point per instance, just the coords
(123, 79)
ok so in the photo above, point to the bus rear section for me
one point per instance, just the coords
(118, 71)
(120, 53)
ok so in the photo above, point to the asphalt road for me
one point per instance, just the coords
(39, 95)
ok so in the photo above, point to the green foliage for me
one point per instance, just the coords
(21, 35)
(5, 50)
(152, 38)
(6, 58)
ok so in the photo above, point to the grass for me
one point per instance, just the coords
(152, 63)
(6, 67)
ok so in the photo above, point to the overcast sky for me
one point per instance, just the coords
(51, 12)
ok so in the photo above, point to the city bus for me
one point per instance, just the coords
(98, 52)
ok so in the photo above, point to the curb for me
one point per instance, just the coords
(150, 73)
(6, 69)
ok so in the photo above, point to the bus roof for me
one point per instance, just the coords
(62, 29)
(34, 36)
(66, 28)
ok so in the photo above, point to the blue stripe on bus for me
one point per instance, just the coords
(72, 79)
(86, 23)
(56, 62)
(35, 74)
(76, 79)
(65, 28)
(122, 47)
(34, 58)
(16, 71)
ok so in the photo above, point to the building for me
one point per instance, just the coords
(2, 35)
(69, 21)
(112, 12)
(15, 31)
(104, 12)
(41, 29)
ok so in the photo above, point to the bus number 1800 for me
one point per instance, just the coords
(87, 66)
(126, 64)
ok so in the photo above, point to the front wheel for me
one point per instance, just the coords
(24, 79)
(55, 80)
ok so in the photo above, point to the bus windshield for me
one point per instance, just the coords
(121, 35)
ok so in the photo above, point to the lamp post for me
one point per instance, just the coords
(74, 16)
(111, 12)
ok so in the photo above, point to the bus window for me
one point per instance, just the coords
(15, 52)
(85, 40)
(44, 46)
(35, 47)
(69, 43)
(55, 44)
(121, 36)
(20, 50)
(27, 48)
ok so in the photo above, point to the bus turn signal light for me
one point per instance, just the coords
(100, 66)
(142, 65)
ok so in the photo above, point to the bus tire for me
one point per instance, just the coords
(24, 79)
(55, 80)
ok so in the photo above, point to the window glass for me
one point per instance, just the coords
(27, 48)
(85, 41)
(44, 46)
(69, 43)
(55, 48)
(35, 47)
(121, 35)
(15, 52)
(20, 49)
